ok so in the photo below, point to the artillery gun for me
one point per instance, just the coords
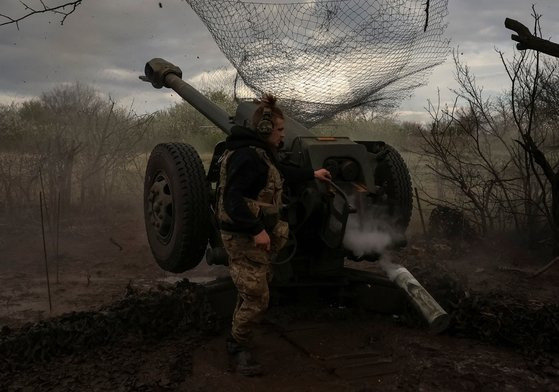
(370, 190)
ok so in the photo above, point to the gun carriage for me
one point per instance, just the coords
(370, 190)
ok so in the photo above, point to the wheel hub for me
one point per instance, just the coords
(160, 207)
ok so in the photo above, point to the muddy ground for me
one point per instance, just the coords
(137, 329)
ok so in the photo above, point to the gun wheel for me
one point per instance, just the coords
(392, 174)
(176, 206)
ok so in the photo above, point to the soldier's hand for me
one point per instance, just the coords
(322, 175)
(262, 240)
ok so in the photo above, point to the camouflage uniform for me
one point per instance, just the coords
(249, 266)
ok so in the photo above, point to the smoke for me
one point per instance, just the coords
(365, 241)
(391, 269)
(370, 234)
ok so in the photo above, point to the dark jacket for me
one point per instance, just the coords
(247, 174)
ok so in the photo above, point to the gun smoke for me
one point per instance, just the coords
(368, 236)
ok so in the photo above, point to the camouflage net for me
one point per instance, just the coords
(322, 58)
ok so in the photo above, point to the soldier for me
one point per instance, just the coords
(249, 201)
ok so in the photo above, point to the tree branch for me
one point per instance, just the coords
(63, 9)
(526, 40)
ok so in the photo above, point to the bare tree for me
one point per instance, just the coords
(471, 147)
(61, 9)
(525, 109)
(491, 150)
(112, 140)
(461, 150)
(70, 142)
(105, 137)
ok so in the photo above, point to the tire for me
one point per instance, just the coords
(176, 205)
(392, 175)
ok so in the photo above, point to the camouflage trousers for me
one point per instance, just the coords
(251, 271)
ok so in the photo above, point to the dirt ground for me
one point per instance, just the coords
(327, 348)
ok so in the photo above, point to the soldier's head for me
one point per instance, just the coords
(268, 121)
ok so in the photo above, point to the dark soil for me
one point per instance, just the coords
(135, 329)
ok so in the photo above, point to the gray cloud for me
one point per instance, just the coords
(476, 27)
(106, 44)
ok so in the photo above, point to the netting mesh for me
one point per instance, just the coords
(325, 57)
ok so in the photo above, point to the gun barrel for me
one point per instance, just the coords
(433, 313)
(163, 73)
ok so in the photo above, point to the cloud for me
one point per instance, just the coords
(106, 44)
(8, 99)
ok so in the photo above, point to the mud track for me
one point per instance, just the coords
(152, 336)
(171, 339)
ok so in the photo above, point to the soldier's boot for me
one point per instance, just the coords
(243, 360)
(247, 365)
(233, 347)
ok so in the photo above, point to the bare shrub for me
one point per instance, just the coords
(71, 144)
(489, 150)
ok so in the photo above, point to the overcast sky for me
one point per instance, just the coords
(107, 43)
